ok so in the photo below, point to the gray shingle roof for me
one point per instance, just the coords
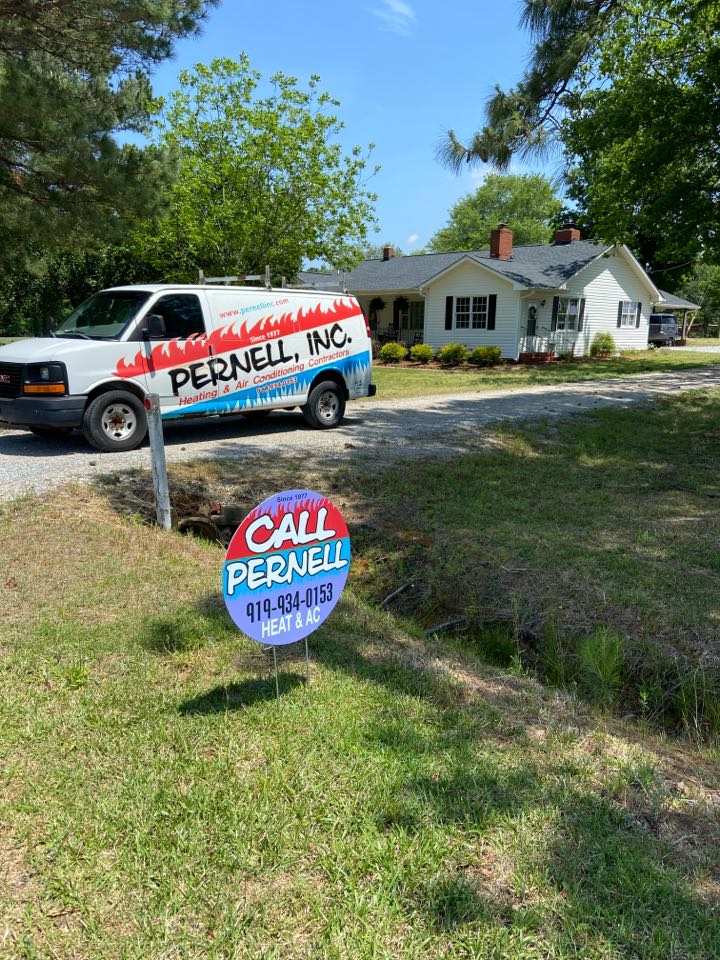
(547, 265)
(671, 300)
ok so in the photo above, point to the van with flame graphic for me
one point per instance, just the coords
(203, 350)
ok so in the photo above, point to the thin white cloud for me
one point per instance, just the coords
(395, 16)
(413, 238)
(479, 174)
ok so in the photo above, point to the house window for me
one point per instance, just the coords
(568, 312)
(410, 316)
(471, 312)
(462, 313)
(479, 313)
(628, 313)
(417, 315)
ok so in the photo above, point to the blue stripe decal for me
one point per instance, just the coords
(263, 395)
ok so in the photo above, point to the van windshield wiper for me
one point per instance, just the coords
(73, 333)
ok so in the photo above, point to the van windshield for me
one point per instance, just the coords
(104, 316)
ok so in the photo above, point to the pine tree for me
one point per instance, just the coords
(73, 75)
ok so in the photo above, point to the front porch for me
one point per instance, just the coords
(395, 318)
(545, 348)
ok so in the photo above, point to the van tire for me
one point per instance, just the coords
(114, 421)
(325, 407)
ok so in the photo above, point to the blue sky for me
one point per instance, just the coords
(405, 71)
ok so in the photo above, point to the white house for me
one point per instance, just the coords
(538, 299)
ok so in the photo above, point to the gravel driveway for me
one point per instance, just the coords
(697, 349)
(375, 428)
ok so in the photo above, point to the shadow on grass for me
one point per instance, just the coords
(570, 860)
(188, 628)
(236, 696)
(576, 867)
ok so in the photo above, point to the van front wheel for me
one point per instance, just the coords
(115, 421)
(325, 406)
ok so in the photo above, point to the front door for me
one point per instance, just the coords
(531, 321)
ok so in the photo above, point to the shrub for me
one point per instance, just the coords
(393, 353)
(603, 345)
(452, 354)
(485, 356)
(421, 353)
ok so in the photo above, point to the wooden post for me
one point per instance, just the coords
(159, 467)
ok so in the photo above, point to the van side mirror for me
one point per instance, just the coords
(154, 328)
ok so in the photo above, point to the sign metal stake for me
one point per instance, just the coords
(159, 466)
(307, 662)
(277, 681)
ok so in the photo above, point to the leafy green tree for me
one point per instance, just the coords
(628, 88)
(47, 289)
(73, 75)
(644, 147)
(526, 203)
(261, 178)
(702, 286)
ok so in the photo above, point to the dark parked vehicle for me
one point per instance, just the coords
(663, 329)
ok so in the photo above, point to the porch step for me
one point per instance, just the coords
(539, 357)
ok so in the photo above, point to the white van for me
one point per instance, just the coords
(204, 350)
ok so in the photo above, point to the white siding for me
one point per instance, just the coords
(468, 280)
(604, 283)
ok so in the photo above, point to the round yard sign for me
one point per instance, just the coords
(286, 567)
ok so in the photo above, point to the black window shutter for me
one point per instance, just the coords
(638, 314)
(492, 310)
(581, 315)
(448, 312)
(619, 320)
(556, 307)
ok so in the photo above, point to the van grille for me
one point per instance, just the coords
(10, 380)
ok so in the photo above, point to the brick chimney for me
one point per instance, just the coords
(388, 253)
(501, 243)
(567, 233)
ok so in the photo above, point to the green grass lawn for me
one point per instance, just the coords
(412, 802)
(704, 342)
(395, 383)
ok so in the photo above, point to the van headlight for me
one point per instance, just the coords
(45, 378)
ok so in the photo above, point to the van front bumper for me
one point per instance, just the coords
(43, 411)
(372, 390)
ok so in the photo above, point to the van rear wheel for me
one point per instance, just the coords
(325, 406)
(115, 421)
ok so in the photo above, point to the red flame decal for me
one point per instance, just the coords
(239, 548)
(178, 353)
